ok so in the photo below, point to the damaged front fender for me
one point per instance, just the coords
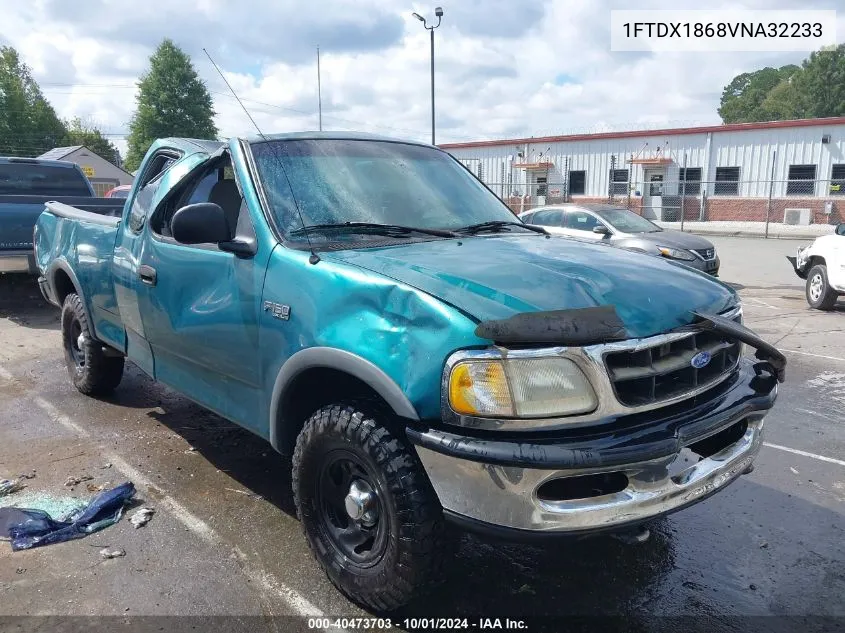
(800, 263)
(404, 332)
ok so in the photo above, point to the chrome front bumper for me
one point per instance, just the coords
(506, 496)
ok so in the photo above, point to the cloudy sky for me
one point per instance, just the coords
(504, 67)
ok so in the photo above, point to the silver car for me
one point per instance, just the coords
(620, 227)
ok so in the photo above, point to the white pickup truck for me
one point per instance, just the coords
(822, 264)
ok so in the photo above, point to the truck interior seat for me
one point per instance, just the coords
(225, 193)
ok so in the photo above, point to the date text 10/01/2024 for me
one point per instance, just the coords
(416, 624)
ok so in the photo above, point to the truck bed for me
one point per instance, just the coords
(71, 238)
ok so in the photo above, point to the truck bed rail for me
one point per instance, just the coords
(63, 210)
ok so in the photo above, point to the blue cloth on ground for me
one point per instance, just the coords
(29, 528)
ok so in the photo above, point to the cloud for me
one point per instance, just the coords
(503, 68)
(237, 33)
(495, 18)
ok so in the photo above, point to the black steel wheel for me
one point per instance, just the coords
(93, 370)
(351, 510)
(367, 509)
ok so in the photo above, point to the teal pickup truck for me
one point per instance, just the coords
(371, 309)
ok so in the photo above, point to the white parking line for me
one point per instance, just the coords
(821, 458)
(53, 413)
(761, 302)
(795, 351)
(297, 602)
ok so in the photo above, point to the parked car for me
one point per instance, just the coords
(822, 264)
(121, 191)
(620, 227)
(372, 310)
(25, 185)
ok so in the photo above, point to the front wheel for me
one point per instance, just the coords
(92, 370)
(819, 293)
(367, 509)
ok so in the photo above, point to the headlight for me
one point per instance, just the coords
(676, 253)
(522, 388)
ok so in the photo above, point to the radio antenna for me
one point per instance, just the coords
(314, 257)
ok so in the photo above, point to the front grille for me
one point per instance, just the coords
(706, 253)
(665, 371)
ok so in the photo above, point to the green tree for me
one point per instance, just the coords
(28, 123)
(172, 101)
(743, 98)
(813, 90)
(783, 102)
(80, 133)
(821, 83)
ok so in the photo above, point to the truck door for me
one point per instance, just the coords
(200, 307)
(160, 172)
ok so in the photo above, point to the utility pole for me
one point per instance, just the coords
(319, 93)
(431, 32)
(438, 12)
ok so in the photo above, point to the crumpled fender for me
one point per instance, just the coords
(800, 263)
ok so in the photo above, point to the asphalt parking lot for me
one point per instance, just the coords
(225, 539)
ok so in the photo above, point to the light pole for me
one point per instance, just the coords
(438, 12)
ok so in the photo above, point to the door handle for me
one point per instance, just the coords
(147, 274)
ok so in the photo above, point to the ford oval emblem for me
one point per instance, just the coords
(701, 360)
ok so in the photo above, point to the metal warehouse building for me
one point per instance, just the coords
(783, 171)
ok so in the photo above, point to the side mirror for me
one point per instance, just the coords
(601, 229)
(840, 229)
(201, 223)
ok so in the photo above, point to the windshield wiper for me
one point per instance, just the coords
(391, 230)
(498, 225)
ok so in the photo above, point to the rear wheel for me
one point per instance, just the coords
(370, 516)
(93, 371)
(819, 293)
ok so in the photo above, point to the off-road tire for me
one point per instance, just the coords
(819, 293)
(92, 371)
(415, 542)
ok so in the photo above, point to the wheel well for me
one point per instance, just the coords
(62, 285)
(815, 260)
(314, 388)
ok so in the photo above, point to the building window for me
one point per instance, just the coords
(802, 180)
(837, 180)
(577, 183)
(727, 181)
(618, 182)
(692, 177)
(542, 185)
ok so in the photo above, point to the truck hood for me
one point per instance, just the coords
(495, 277)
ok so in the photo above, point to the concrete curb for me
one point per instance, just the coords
(752, 229)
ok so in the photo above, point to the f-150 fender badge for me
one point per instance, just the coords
(277, 310)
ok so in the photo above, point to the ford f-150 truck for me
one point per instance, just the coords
(372, 309)
(25, 185)
(822, 264)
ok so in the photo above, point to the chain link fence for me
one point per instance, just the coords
(788, 202)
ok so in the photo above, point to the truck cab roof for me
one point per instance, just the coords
(334, 136)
